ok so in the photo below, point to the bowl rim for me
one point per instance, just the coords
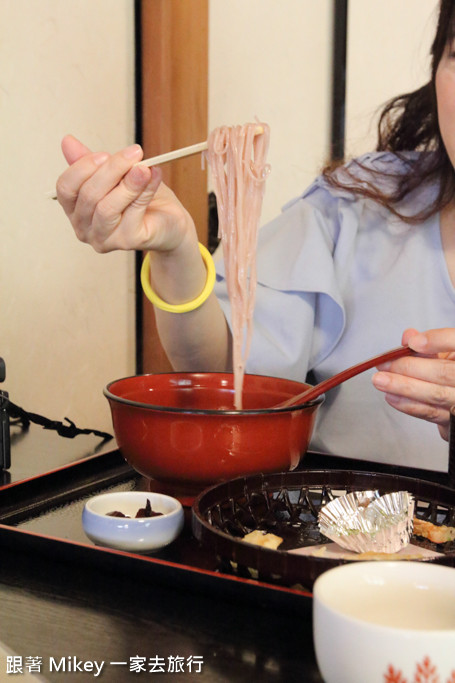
(206, 411)
(139, 520)
(411, 569)
(387, 568)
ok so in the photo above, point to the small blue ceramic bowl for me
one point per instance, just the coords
(131, 533)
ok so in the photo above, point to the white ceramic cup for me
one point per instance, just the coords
(383, 622)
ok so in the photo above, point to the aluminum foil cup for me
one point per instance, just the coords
(367, 522)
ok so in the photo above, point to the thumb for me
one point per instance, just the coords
(407, 334)
(73, 149)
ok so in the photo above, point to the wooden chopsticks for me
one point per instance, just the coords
(169, 156)
(160, 159)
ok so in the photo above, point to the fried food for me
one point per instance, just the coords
(263, 539)
(434, 533)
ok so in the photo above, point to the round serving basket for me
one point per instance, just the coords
(287, 505)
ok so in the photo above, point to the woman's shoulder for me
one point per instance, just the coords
(383, 170)
(331, 208)
(382, 162)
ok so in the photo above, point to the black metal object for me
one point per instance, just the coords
(11, 414)
(452, 448)
(340, 32)
(5, 442)
(65, 428)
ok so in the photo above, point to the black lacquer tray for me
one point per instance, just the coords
(287, 505)
(41, 516)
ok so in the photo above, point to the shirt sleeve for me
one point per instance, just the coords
(299, 313)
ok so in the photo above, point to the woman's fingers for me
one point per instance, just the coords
(422, 386)
(118, 217)
(98, 188)
(431, 369)
(70, 182)
(100, 183)
(423, 399)
(424, 411)
(91, 176)
(432, 341)
(114, 203)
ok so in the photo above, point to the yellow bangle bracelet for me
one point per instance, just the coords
(189, 305)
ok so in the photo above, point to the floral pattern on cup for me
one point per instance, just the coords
(425, 672)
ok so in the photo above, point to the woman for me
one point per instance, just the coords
(367, 252)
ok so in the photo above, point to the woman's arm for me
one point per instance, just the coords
(113, 204)
(423, 386)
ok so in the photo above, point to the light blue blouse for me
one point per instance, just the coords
(339, 279)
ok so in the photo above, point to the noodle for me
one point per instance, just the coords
(237, 159)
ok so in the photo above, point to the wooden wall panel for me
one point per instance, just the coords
(174, 54)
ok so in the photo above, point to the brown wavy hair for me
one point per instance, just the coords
(408, 123)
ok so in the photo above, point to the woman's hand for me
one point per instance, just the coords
(114, 204)
(423, 386)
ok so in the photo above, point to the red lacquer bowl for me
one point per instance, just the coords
(181, 427)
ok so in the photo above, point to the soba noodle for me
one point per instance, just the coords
(237, 159)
